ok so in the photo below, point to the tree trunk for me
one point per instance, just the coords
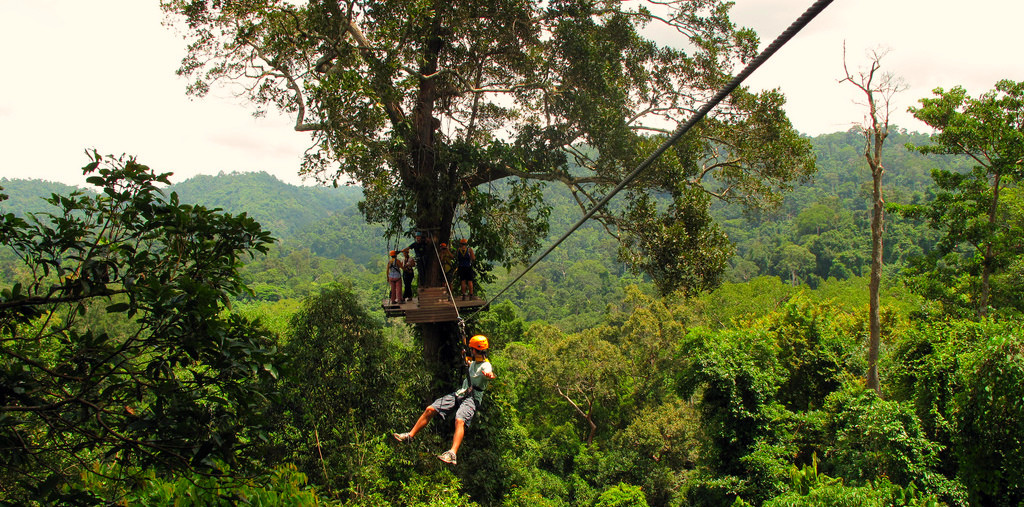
(436, 197)
(989, 254)
(442, 352)
(593, 428)
(874, 321)
(587, 416)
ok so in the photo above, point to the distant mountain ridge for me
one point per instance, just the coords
(26, 196)
(282, 208)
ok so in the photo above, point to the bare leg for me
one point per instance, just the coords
(425, 417)
(460, 431)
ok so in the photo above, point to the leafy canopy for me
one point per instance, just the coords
(978, 212)
(114, 341)
(451, 113)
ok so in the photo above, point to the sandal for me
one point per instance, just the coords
(447, 457)
(402, 437)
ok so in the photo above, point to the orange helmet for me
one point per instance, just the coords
(463, 241)
(393, 253)
(478, 342)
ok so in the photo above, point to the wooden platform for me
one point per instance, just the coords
(432, 305)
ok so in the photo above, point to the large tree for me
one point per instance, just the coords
(450, 113)
(980, 233)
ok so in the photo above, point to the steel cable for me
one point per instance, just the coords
(768, 52)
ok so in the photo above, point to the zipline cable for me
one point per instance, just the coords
(772, 48)
(451, 297)
(446, 282)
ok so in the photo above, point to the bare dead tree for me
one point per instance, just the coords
(878, 89)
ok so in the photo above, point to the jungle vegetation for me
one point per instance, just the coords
(752, 393)
(702, 342)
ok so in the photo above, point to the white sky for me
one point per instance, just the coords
(100, 74)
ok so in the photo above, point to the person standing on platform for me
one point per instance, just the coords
(419, 247)
(394, 273)
(466, 258)
(408, 263)
(448, 264)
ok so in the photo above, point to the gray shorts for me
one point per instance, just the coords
(464, 406)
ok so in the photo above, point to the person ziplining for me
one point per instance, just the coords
(464, 402)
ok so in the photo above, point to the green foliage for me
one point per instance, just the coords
(961, 377)
(275, 316)
(815, 347)
(115, 345)
(979, 235)
(296, 273)
(425, 124)
(436, 490)
(679, 248)
(285, 210)
(877, 438)
(723, 397)
(328, 425)
(622, 495)
(990, 415)
(502, 320)
(736, 374)
(760, 392)
(284, 486)
(28, 196)
(811, 488)
(829, 216)
(580, 372)
(734, 304)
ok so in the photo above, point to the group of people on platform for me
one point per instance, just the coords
(456, 262)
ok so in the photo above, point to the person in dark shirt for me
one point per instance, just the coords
(419, 248)
(408, 263)
(465, 258)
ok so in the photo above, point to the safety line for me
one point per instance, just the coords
(445, 276)
(772, 48)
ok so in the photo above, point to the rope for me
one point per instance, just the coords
(461, 323)
(446, 283)
(772, 48)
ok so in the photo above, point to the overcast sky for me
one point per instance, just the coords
(100, 74)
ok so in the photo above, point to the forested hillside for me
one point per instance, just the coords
(26, 196)
(150, 373)
(821, 229)
(819, 232)
(284, 209)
